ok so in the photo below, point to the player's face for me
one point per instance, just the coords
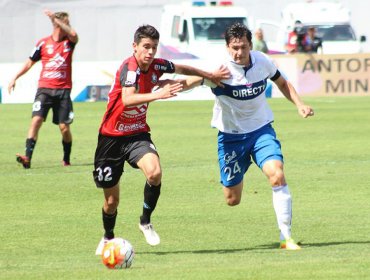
(239, 49)
(145, 52)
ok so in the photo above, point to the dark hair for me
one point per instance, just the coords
(237, 30)
(61, 15)
(146, 31)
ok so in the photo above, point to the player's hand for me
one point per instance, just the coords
(11, 86)
(49, 13)
(170, 90)
(305, 111)
(222, 73)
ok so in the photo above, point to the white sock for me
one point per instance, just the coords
(282, 202)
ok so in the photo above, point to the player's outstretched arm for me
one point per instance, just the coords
(65, 26)
(26, 66)
(192, 82)
(187, 84)
(215, 77)
(131, 98)
(291, 94)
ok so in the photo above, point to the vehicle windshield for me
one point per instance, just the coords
(213, 28)
(335, 32)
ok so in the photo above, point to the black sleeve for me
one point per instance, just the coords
(169, 67)
(128, 78)
(276, 76)
(36, 53)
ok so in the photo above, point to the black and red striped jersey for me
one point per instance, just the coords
(119, 120)
(56, 59)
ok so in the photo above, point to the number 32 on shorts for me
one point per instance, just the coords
(232, 169)
(104, 174)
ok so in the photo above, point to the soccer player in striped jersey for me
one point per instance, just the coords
(124, 133)
(54, 87)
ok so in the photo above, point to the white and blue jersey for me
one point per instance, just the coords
(241, 106)
(242, 116)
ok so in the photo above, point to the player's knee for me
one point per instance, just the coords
(232, 201)
(111, 204)
(154, 177)
(65, 130)
(277, 178)
(233, 194)
(37, 122)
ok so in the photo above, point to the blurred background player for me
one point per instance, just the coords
(297, 39)
(124, 132)
(314, 43)
(259, 43)
(54, 87)
(243, 117)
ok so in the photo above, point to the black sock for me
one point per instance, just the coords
(67, 147)
(30, 145)
(109, 222)
(151, 195)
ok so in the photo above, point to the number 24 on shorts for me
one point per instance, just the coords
(232, 171)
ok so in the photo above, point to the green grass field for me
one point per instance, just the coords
(51, 216)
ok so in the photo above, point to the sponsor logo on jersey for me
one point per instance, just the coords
(154, 78)
(55, 62)
(54, 74)
(230, 158)
(122, 127)
(49, 49)
(160, 67)
(133, 112)
(242, 92)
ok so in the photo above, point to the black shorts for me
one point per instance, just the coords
(57, 99)
(112, 152)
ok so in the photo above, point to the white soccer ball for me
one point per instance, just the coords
(118, 253)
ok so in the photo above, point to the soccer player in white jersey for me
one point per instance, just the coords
(243, 117)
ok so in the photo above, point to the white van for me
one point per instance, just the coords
(196, 29)
(331, 20)
(195, 33)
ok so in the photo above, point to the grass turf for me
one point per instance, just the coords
(51, 215)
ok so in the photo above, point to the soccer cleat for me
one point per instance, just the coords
(152, 238)
(24, 160)
(66, 163)
(99, 249)
(289, 244)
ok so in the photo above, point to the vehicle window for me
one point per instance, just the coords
(213, 28)
(175, 27)
(335, 32)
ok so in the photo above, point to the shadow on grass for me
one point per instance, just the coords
(214, 251)
(271, 246)
(325, 244)
(59, 164)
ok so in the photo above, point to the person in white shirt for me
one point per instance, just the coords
(243, 117)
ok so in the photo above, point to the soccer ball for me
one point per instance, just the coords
(118, 253)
